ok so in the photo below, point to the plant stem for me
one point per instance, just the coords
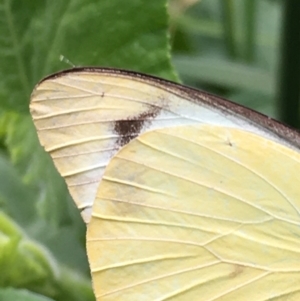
(289, 77)
(250, 8)
(228, 22)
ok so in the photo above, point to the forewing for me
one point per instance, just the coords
(83, 117)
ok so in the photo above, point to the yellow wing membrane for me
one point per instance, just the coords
(197, 212)
(84, 116)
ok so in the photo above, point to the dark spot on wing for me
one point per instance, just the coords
(130, 128)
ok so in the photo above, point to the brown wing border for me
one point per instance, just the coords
(282, 131)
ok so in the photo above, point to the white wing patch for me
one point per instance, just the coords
(83, 118)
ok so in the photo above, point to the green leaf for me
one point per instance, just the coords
(36, 168)
(13, 191)
(225, 73)
(128, 34)
(23, 262)
(11, 294)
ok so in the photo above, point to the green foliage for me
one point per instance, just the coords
(21, 295)
(25, 263)
(229, 50)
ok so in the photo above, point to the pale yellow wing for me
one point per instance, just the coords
(84, 116)
(197, 213)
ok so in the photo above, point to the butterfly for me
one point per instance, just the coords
(186, 196)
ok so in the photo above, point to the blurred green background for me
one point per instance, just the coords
(244, 50)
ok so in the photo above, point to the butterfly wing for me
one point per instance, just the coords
(197, 212)
(84, 116)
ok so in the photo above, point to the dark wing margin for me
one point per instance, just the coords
(128, 127)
